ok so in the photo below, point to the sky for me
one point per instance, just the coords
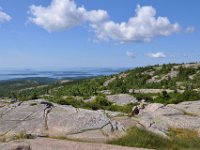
(98, 33)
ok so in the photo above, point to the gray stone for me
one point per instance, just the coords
(122, 99)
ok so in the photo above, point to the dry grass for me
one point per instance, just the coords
(183, 133)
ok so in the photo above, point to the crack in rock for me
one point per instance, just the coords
(47, 110)
(18, 122)
(85, 130)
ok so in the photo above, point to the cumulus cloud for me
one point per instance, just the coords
(130, 54)
(189, 29)
(3, 16)
(63, 14)
(156, 55)
(142, 27)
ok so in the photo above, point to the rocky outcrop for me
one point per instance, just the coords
(120, 76)
(106, 83)
(122, 99)
(157, 79)
(159, 118)
(39, 119)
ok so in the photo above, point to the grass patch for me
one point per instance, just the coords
(179, 139)
(2, 139)
(183, 133)
(19, 136)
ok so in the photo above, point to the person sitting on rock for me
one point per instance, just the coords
(135, 111)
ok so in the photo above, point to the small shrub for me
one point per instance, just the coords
(34, 96)
(101, 100)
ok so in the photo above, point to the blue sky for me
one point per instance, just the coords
(98, 33)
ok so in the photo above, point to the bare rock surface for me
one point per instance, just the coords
(16, 145)
(122, 99)
(159, 118)
(192, 108)
(40, 118)
(37, 119)
(54, 144)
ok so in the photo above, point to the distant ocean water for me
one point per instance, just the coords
(58, 74)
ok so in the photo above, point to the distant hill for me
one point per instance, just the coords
(9, 86)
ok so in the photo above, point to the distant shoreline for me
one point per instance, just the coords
(57, 75)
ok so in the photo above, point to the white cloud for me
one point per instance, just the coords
(142, 27)
(156, 55)
(189, 29)
(63, 14)
(130, 54)
(3, 16)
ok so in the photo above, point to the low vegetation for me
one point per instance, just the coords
(20, 136)
(179, 139)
